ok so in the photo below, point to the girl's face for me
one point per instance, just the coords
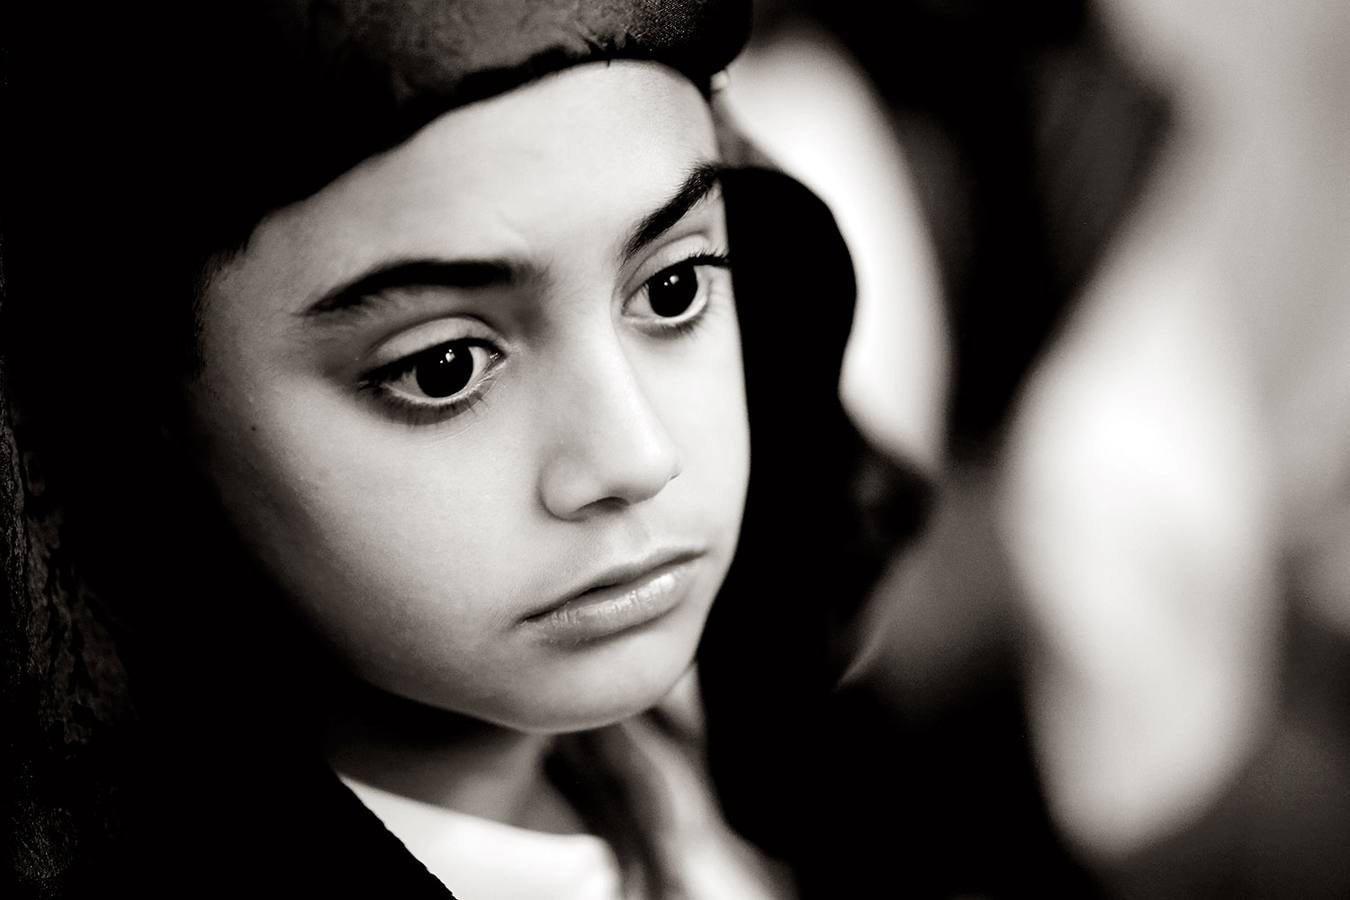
(478, 404)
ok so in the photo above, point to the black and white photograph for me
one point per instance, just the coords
(675, 449)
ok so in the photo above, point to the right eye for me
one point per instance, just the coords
(443, 379)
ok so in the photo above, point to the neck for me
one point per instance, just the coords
(447, 760)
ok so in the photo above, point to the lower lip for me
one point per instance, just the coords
(617, 608)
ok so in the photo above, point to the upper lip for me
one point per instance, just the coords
(620, 573)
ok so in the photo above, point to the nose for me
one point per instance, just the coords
(609, 447)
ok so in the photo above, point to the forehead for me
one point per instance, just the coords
(576, 154)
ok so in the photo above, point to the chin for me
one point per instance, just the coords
(597, 685)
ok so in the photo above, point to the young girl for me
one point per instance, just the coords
(386, 358)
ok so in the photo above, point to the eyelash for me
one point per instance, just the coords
(686, 326)
(414, 412)
(377, 381)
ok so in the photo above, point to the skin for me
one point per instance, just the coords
(416, 546)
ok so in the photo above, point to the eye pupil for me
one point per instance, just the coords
(446, 370)
(672, 291)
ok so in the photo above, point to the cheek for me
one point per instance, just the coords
(702, 401)
(396, 546)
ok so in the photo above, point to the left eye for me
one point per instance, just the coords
(672, 291)
(446, 373)
(677, 294)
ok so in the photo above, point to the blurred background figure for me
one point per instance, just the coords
(1176, 492)
(978, 160)
(1104, 259)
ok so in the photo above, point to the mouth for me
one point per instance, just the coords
(619, 599)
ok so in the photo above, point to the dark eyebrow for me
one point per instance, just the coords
(414, 273)
(355, 295)
(696, 187)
